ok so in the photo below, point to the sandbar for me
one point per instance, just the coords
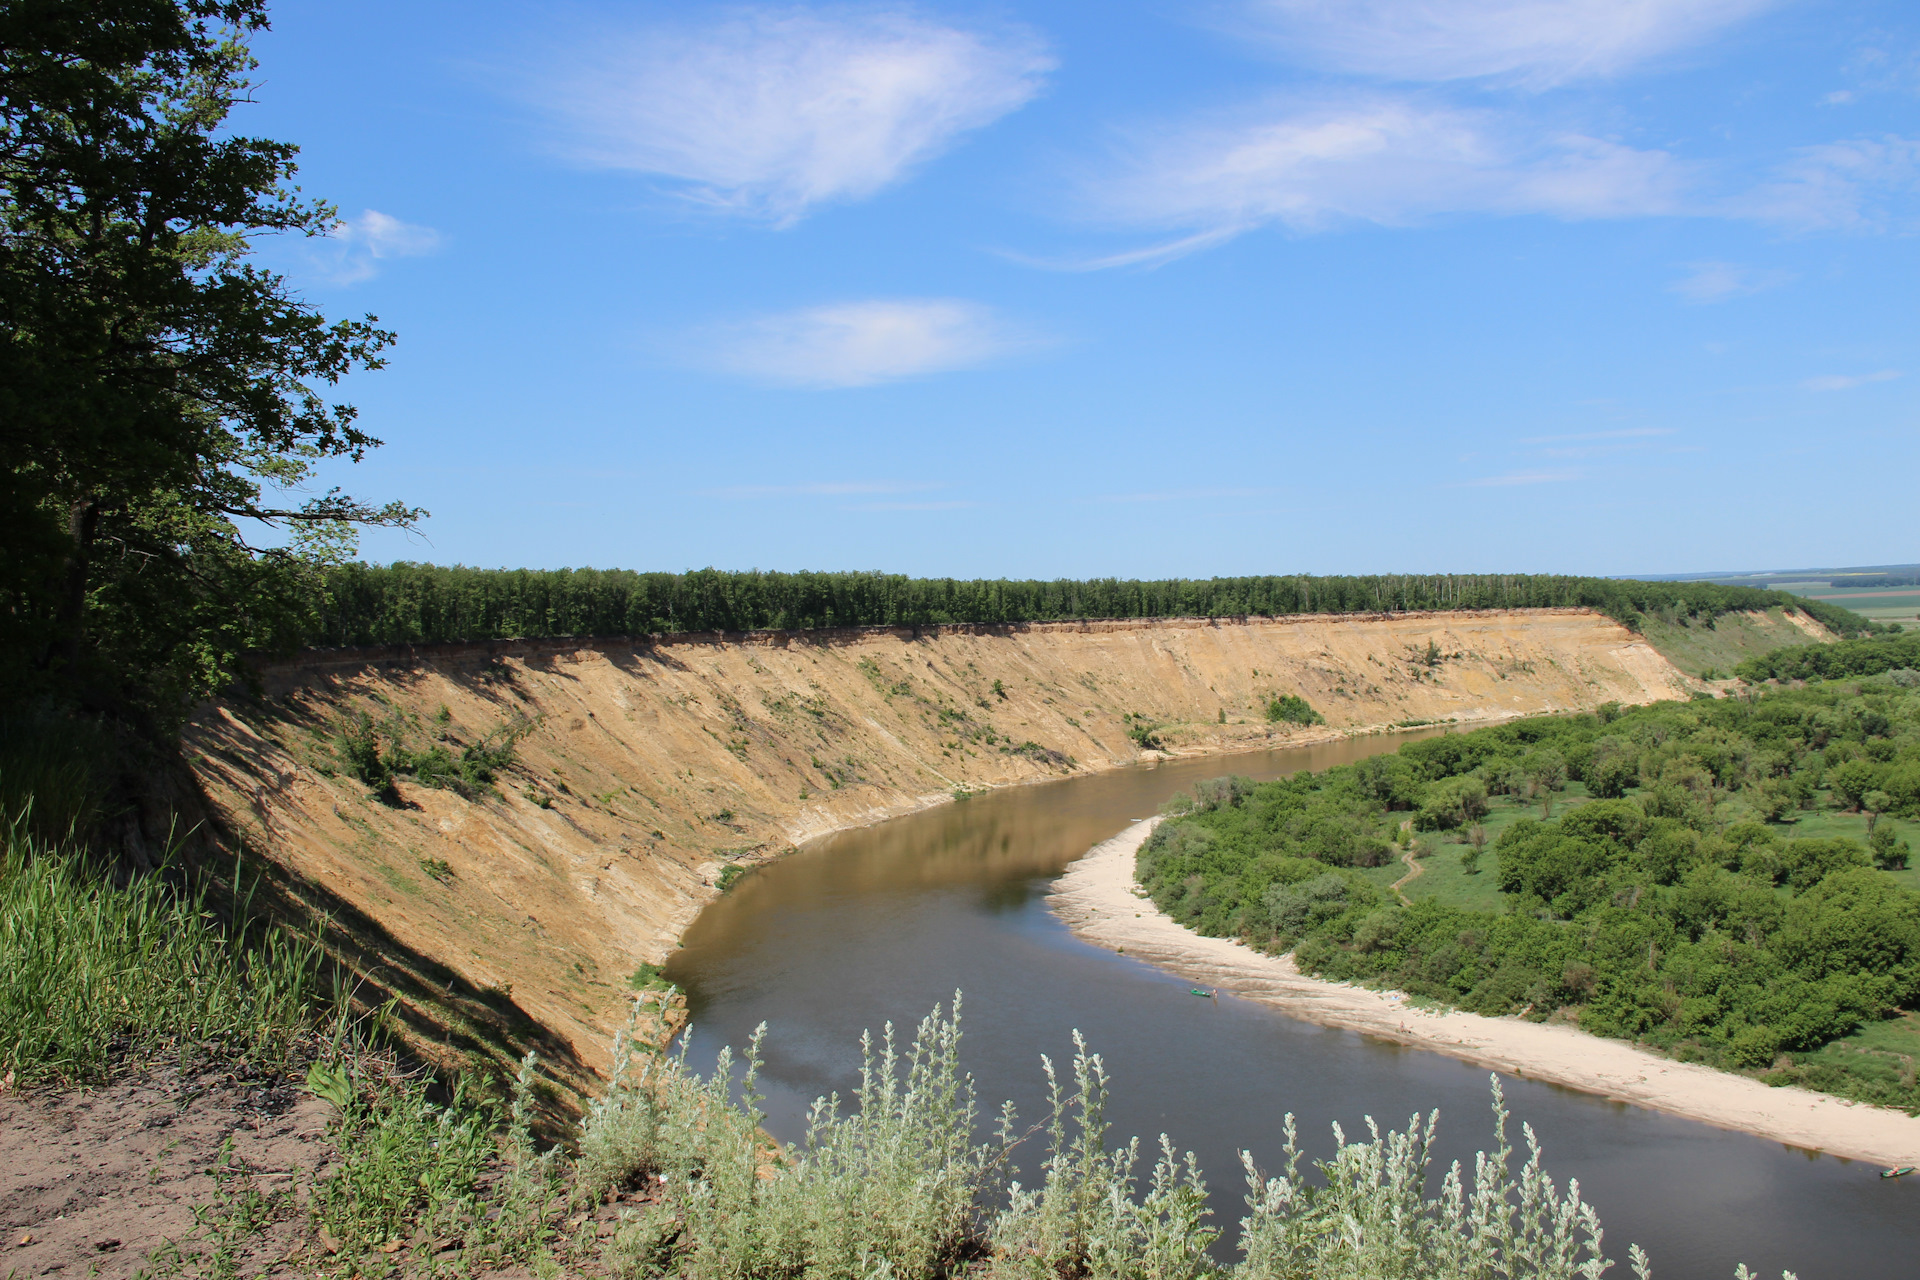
(1099, 900)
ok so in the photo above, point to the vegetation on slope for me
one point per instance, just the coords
(1833, 661)
(418, 604)
(1711, 648)
(1670, 900)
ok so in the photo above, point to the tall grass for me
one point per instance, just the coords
(902, 1186)
(90, 971)
(53, 781)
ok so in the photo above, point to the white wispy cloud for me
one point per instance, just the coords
(1845, 382)
(1377, 158)
(1857, 184)
(828, 489)
(1531, 42)
(1518, 478)
(772, 111)
(1624, 433)
(1182, 495)
(1719, 281)
(355, 247)
(859, 344)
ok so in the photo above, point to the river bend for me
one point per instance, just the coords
(880, 923)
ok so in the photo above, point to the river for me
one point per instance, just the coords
(880, 923)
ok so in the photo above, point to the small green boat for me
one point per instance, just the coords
(1900, 1172)
(1204, 995)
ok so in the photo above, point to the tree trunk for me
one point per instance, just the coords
(83, 518)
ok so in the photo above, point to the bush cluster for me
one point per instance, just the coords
(1668, 908)
(1291, 708)
(358, 745)
(1861, 657)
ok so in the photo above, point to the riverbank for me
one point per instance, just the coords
(1099, 901)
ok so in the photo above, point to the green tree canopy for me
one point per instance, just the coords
(163, 401)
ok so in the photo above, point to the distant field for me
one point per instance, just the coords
(1903, 595)
(1879, 603)
(1897, 605)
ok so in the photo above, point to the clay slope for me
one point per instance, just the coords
(649, 768)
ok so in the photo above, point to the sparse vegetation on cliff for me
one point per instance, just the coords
(1291, 708)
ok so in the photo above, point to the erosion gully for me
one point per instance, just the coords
(880, 923)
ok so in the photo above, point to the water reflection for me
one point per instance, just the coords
(879, 924)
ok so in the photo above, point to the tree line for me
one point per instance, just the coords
(406, 603)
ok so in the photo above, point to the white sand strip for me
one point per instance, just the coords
(1098, 899)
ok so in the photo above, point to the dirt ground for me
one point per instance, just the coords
(208, 1170)
(106, 1182)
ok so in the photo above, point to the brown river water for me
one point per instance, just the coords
(881, 923)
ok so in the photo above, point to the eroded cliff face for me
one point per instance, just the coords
(646, 770)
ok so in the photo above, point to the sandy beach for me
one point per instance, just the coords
(1098, 899)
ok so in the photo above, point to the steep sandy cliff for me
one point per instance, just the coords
(646, 770)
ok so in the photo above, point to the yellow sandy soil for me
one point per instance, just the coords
(1099, 900)
(663, 763)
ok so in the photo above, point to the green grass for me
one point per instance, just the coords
(1828, 822)
(89, 971)
(52, 783)
(1874, 1064)
(1444, 879)
(1697, 648)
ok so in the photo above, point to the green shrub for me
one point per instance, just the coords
(1291, 708)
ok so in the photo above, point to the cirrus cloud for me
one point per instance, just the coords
(1533, 42)
(1719, 281)
(353, 249)
(1847, 382)
(773, 112)
(864, 343)
(1379, 158)
(1856, 184)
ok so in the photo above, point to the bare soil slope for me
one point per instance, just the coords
(648, 769)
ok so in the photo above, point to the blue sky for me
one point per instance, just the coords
(1191, 287)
